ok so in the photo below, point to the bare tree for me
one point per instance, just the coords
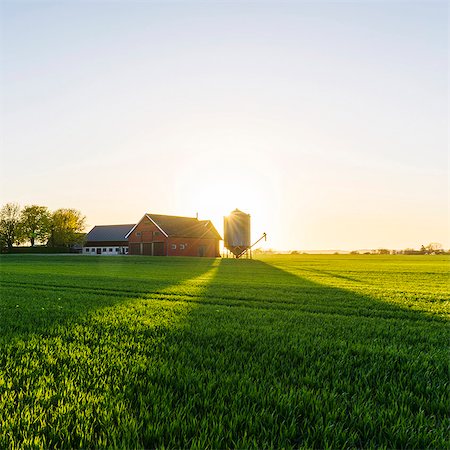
(10, 224)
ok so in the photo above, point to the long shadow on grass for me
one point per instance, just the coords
(270, 359)
(73, 347)
(42, 293)
(256, 358)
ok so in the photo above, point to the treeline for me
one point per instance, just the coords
(434, 248)
(35, 224)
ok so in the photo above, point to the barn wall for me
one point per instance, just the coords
(191, 247)
(105, 250)
(146, 232)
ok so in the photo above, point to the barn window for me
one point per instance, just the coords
(88, 250)
(138, 233)
(174, 246)
(104, 249)
(117, 249)
(110, 249)
(182, 246)
(156, 233)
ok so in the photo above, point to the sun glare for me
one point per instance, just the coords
(213, 198)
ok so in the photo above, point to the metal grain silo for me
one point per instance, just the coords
(237, 232)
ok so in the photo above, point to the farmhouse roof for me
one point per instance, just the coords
(102, 233)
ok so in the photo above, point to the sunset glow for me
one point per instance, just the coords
(327, 123)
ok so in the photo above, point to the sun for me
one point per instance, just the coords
(213, 198)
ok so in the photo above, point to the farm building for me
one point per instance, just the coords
(160, 235)
(107, 240)
(155, 235)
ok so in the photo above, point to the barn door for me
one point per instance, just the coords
(158, 248)
(135, 249)
(147, 249)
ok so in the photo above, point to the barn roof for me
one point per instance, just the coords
(177, 226)
(103, 233)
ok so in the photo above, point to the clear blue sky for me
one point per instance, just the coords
(326, 121)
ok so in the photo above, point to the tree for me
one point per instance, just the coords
(65, 227)
(434, 247)
(2, 243)
(10, 224)
(35, 223)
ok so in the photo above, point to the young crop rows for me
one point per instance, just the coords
(285, 352)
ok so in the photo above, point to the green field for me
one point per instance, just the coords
(322, 351)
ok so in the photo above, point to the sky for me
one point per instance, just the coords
(326, 121)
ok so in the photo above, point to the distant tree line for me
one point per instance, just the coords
(35, 224)
(434, 248)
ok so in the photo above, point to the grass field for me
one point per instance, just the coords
(286, 351)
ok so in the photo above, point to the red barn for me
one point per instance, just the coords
(160, 235)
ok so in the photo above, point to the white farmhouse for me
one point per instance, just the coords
(107, 240)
